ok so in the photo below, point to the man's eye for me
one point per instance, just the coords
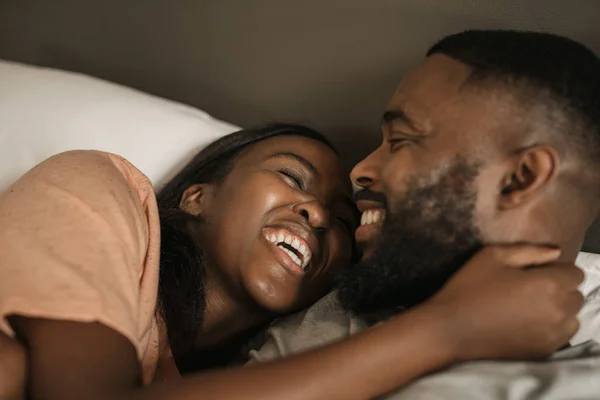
(396, 144)
(293, 176)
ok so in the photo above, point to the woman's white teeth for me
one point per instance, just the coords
(372, 217)
(301, 248)
(292, 255)
(296, 244)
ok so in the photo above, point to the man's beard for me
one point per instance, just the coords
(430, 235)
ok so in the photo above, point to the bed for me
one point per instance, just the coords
(330, 64)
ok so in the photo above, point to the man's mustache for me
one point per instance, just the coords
(369, 195)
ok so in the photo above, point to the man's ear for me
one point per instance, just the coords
(528, 174)
(197, 198)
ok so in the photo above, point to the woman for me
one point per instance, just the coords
(254, 227)
(250, 223)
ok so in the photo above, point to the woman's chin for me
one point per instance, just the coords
(274, 297)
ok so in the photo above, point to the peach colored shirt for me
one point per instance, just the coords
(80, 241)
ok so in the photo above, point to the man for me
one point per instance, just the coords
(494, 138)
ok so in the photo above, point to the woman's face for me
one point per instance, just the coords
(280, 226)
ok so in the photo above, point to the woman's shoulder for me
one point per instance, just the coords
(96, 163)
(96, 172)
(80, 232)
(100, 184)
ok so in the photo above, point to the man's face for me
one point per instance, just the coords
(429, 177)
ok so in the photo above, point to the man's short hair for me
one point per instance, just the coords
(562, 72)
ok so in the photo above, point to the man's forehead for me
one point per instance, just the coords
(435, 81)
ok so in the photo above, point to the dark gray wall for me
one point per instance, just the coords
(328, 63)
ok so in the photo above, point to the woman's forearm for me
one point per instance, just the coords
(13, 368)
(91, 361)
(369, 364)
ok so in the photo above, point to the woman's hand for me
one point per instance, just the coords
(13, 367)
(510, 302)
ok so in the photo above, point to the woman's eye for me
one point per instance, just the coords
(293, 176)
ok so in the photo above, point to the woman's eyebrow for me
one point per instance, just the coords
(297, 158)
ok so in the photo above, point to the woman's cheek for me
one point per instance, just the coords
(269, 193)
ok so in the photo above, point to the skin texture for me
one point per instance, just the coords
(13, 367)
(268, 187)
(429, 237)
(289, 181)
(485, 311)
(436, 116)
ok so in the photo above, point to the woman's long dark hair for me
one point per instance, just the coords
(181, 293)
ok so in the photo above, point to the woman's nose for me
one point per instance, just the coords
(314, 213)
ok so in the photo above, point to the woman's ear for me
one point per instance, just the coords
(529, 173)
(197, 198)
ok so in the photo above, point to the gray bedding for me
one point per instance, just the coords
(571, 374)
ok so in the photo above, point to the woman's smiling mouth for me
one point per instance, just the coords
(294, 246)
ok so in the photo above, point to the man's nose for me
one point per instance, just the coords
(366, 173)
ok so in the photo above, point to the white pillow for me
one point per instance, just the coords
(46, 111)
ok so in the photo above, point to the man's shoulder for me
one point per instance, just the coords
(322, 323)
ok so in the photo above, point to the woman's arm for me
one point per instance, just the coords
(490, 309)
(13, 367)
(76, 360)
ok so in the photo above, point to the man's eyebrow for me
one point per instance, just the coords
(399, 115)
(298, 158)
